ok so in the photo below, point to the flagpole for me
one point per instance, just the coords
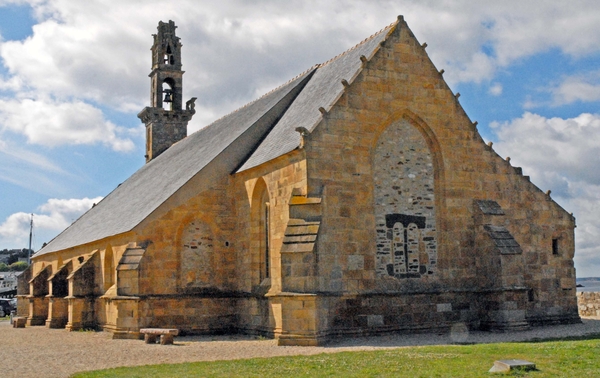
(30, 235)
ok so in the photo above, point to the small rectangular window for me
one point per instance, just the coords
(555, 246)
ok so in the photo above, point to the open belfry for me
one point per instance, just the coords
(358, 198)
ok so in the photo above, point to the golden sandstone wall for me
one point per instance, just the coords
(399, 87)
(200, 265)
(202, 269)
(65, 286)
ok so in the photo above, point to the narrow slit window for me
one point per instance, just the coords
(266, 236)
(555, 246)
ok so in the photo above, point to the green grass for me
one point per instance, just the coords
(570, 358)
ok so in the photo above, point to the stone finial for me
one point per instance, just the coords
(322, 110)
(303, 133)
(548, 192)
(191, 103)
(508, 159)
(442, 71)
(363, 59)
(345, 83)
(424, 45)
(475, 123)
(457, 95)
(400, 18)
(302, 130)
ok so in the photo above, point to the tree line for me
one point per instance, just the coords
(9, 260)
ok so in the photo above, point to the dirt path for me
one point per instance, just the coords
(43, 352)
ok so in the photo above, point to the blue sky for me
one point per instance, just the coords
(73, 76)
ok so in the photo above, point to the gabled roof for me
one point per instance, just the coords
(322, 91)
(263, 130)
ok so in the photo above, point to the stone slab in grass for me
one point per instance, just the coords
(503, 366)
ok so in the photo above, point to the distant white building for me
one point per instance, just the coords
(8, 281)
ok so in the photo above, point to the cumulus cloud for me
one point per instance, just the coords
(472, 40)
(53, 216)
(234, 51)
(98, 50)
(75, 52)
(562, 155)
(553, 148)
(52, 124)
(582, 87)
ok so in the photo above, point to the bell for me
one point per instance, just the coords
(168, 97)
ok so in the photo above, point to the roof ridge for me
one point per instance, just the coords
(315, 66)
(263, 96)
(359, 44)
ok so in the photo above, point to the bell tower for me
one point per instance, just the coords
(166, 121)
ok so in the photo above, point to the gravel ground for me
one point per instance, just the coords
(43, 352)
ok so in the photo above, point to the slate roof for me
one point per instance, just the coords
(323, 90)
(503, 240)
(136, 198)
(489, 207)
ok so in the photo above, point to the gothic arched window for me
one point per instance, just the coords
(260, 231)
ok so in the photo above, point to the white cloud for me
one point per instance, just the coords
(17, 154)
(76, 53)
(65, 211)
(52, 124)
(568, 147)
(53, 216)
(32, 171)
(471, 40)
(582, 87)
(495, 89)
(562, 155)
(98, 50)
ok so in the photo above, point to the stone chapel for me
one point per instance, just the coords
(358, 198)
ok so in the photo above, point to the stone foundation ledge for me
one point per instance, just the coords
(548, 320)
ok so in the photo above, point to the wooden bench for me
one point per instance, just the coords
(19, 321)
(166, 335)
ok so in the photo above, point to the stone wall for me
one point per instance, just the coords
(409, 312)
(279, 179)
(192, 246)
(190, 314)
(404, 203)
(589, 303)
(398, 143)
